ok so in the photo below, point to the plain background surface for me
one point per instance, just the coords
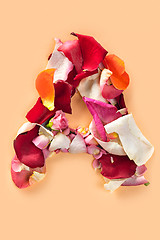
(71, 203)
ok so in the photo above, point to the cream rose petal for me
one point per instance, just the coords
(136, 146)
(27, 126)
(78, 145)
(111, 147)
(61, 63)
(60, 141)
(89, 87)
(112, 185)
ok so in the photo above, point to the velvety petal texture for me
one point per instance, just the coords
(119, 77)
(63, 92)
(72, 51)
(89, 87)
(116, 167)
(24, 176)
(118, 147)
(39, 113)
(59, 62)
(78, 145)
(102, 113)
(92, 52)
(136, 146)
(26, 151)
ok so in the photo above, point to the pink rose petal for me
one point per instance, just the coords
(41, 141)
(140, 170)
(110, 92)
(135, 180)
(20, 178)
(96, 164)
(102, 113)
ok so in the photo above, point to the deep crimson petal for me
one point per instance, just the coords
(116, 167)
(72, 51)
(92, 52)
(21, 178)
(63, 91)
(39, 113)
(71, 80)
(26, 151)
(120, 102)
(84, 74)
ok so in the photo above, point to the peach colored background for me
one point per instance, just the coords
(71, 202)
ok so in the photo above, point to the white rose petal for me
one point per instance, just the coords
(60, 141)
(136, 146)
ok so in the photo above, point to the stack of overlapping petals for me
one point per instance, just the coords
(119, 149)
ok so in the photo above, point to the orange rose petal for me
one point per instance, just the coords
(114, 63)
(45, 88)
(120, 82)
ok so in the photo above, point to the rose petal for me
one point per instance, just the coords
(26, 151)
(20, 178)
(90, 140)
(61, 63)
(114, 63)
(23, 177)
(119, 78)
(41, 141)
(120, 103)
(102, 113)
(78, 145)
(84, 74)
(72, 51)
(26, 127)
(136, 146)
(45, 87)
(89, 87)
(95, 151)
(134, 181)
(96, 164)
(141, 170)
(92, 52)
(63, 96)
(110, 92)
(106, 112)
(117, 167)
(44, 131)
(60, 141)
(39, 113)
(120, 82)
(113, 184)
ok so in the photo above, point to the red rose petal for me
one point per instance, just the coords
(39, 113)
(63, 91)
(72, 51)
(116, 167)
(26, 151)
(84, 74)
(120, 102)
(92, 52)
